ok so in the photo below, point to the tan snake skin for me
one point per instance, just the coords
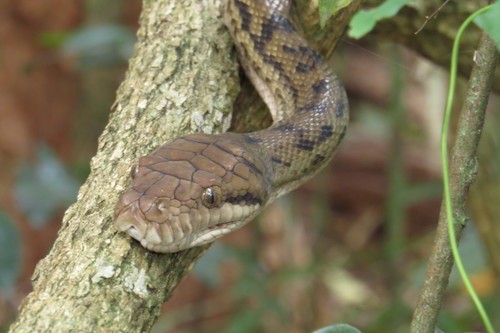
(197, 188)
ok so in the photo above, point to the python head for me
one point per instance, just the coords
(191, 191)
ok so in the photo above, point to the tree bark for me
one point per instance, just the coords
(181, 79)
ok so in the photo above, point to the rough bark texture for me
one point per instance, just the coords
(463, 170)
(182, 78)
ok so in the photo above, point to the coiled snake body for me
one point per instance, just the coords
(196, 188)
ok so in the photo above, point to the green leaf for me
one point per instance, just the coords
(364, 21)
(338, 328)
(10, 254)
(490, 22)
(43, 187)
(329, 7)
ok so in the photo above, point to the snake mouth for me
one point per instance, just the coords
(160, 238)
(134, 233)
(174, 235)
(210, 233)
(220, 225)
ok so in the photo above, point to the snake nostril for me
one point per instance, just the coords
(161, 207)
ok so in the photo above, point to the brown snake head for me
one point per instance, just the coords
(191, 191)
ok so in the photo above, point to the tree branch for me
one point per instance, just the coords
(463, 169)
(181, 79)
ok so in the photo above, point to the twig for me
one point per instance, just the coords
(428, 18)
(463, 174)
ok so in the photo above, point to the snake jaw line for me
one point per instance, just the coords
(149, 237)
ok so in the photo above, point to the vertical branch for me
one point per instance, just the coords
(463, 167)
(182, 78)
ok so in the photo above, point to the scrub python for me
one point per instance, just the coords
(197, 188)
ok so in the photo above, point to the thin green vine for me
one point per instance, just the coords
(446, 178)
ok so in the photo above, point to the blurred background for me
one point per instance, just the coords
(349, 246)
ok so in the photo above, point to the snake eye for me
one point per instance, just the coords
(212, 197)
(134, 171)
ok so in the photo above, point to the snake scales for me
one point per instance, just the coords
(197, 188)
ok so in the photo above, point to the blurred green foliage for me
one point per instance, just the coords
(208, 267)
(10, 255)
(94, 45)
(44, 186)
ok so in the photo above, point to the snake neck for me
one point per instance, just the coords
(307, 101)
(298, 147)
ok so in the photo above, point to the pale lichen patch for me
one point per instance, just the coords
(197, 119)
(137, 281)
(140, 286)
(103, 272)
(176, 96)
(209, 128)
(161, 103)
(118, 151)
(142, 103)
(218, 116)
(158, 61)
(83, 289)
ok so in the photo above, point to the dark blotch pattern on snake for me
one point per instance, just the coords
(197, 188)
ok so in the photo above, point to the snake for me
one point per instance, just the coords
(197, 188)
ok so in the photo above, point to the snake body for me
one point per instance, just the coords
(197, 188)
